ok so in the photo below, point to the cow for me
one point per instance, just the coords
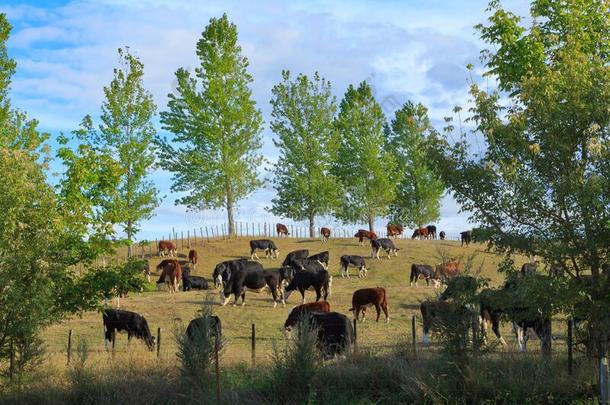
(431, 231)
(193, 258)
(394, 231)
(324, 234)
(335, 333)
(133, 323)
(422, 233)
(297, 313)
(442, 235)
(529, 268)
(299, 265)
(447, 270)
(166, 246)
(281, 229)
(322, 257)
(225, 270)
(362, 234)
(434, 312)
(425, 271)
(297, 254)
(271, 251)
(197, 327)
(192, 282)
(303, 280)
(385, 244)
(252, 279)
(466, 237)
(367, 297)
(355, 261)
(222, 268)
(170, 275)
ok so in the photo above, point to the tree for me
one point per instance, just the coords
(364, 166)
(303, 114)
(126, 135)
(216, 126)
(541, 186)
(419, 190)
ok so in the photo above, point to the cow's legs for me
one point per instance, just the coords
(363, 313)
(318, 293)
(302, 291)
(243, 299)
(378, 309)
(521, 336)
(384, 307)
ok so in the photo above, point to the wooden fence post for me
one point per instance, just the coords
(217, 369)
(259, 229)
(207, 234)
(253, 345)
(570, 345)
(217, 233)
(188, 239)
(414, 334)
(69, 351)
(158, 342)
(265, 227)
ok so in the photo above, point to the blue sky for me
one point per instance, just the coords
(408, 50)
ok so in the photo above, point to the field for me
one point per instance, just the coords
(171, 312)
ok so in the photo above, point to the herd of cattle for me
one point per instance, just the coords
(300, 271)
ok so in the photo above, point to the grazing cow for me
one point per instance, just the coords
(368, 297)
(271, 251)
(197, 326)
(192, 282)
(529, 268)
(303, 280)
(447, 270)
(442, 235)
(166, 246)
(222, 268)
(281, 229)
(355, 261)
(434, 312)
(363, 233)
(335, 332)
(170, 275)
(297, 254)
(425, 271)
(134, 324)
(394, 231)
(422, 233)
(324, 234)
(193, 257)
(431, 231)
(298, 311)
(248, 278)
(466, 237)
(385, 244)
(322, 257)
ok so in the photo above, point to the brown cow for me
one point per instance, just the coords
(362, 234)
(394, 231)
(193, 257)
(170, 275)
(166, 245)
(324, 234)
(367, 297)
(448, 269)
(281, 229)
(298, 311)
(421, 232)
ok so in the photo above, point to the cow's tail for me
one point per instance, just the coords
(413, 273)
(326, 286)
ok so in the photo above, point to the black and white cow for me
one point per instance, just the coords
(295, 255)
(322, 257)
(354, 261)
(423, 270)
(271, 251)
(335, 332)
(442, 235)
(198, 325)
(385, 244)
(306, 279)
(133, 323)
(246, 277)
(222, 270)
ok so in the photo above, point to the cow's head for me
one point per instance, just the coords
(221, 274)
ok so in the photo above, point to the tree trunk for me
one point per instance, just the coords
(312, 229)
(371, 222)
(231, 222)
(129, 237)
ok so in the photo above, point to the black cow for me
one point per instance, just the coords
(423, 270)
(466, 237)
(442, 235)
(242, 277)
(431, 231)
(134, 324)
(297, 254)
(322, 257)
(223, 269)
(385, 244)
(529, 268)
(335, 332)
(263, 244)
(197, 326)
(355, 261)
(305, 279)
(193, 282)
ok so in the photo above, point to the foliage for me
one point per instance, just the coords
(303, 114)
(216, 125)
(364, 166)
(419, 189)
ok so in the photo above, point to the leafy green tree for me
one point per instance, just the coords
(303, 114)
(125, 135)
(364, 165)
(216, 125)
(541, 186)
(419, 190)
